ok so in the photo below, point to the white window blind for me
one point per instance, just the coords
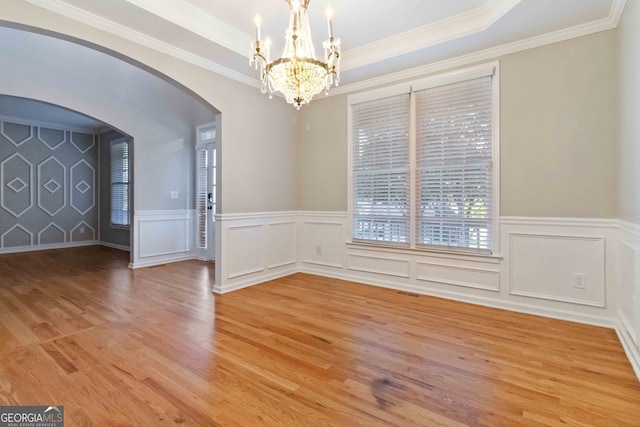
(381, 169)
(213, 182)
(454, 146)
(120, 183)
(424, 172)
(201, 196)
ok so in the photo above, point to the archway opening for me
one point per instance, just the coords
(157, 115)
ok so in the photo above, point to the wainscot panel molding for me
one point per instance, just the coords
(543, 265)
(255, 248)
(458, 275)
(162, 236)
(536, 277)
(322, 238)
(628, 324)
(365, 263)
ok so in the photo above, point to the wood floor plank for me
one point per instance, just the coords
(155, 347)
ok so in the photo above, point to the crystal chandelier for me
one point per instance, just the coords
(298, 74)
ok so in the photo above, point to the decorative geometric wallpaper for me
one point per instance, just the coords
(48, 190)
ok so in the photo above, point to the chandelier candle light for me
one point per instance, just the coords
(298, 74)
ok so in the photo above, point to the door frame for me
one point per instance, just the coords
(207, 141)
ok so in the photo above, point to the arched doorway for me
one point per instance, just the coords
(159, 114)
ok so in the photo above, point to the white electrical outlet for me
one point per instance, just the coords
(174, 194)
(318, 250)
(579, 280)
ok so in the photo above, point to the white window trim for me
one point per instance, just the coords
(491, 68)
(111, 224)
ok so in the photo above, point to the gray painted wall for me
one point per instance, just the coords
(557, 134)
(258, 161)
(628, 179)
(48, 186)
(108, 234)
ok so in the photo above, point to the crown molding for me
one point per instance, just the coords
(604, 24)
(77, 14)
(485, 15)
(197, 21)
(458, 26)
(616, 11)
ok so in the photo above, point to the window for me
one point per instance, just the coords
(424, 163)
(380, 169)
(201, 195)
(205, 191)
(120, 183)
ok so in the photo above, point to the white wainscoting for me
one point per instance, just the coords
(255, 248)
(459, 275)
(545, 266)
(322, 237)
(533, 274)
(365, 262)
(543, 255)
(161, 237)
(628, 256)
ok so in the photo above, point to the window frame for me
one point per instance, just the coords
(209, 145)
(113, 142)
(482, 70)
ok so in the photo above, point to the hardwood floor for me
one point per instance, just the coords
(155, 347)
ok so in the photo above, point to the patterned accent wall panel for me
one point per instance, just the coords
(17, 188)
(48, 191)
(52, 191)
(83, 183)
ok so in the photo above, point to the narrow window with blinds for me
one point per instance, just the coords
(380, 169)
(422, 163)
(120, 183)
(454, 164)
(201, 196)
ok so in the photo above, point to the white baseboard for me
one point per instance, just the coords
(115, 246)
(160, 260)
(256, 280)
(20, 249)
(630, 349)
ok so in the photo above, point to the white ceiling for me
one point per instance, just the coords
(382, 40)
